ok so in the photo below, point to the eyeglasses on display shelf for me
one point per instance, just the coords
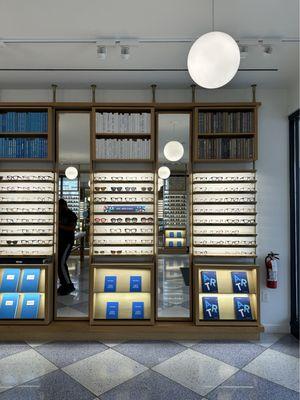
(23, 295)
(27, 213)
(123, 293)
(226, 292)
(123, 213)
(224, 213)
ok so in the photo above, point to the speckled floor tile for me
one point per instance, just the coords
(267, 339)
(237, 354)
(9, 348)
(195, 371)
(150, 353)
(245, 386)
(277, 367)
(23, 367)
(73, 298)
(104, 371)
(287, 344)
(82, 307)
(64, 353)
(70, 312)
(55, 385)
(151, 386)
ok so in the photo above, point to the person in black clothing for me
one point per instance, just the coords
(67, 225)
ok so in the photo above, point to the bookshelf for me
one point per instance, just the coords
(26, 134)
(123, 134)
(225, 133)
(220, 286)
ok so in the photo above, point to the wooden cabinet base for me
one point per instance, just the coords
(81, 330)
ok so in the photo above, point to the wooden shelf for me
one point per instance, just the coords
(25, 134)
(106, 135)
(228, 134)
(120, 160)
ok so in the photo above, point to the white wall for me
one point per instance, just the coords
(272, 167)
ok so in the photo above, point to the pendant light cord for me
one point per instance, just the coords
(213, 15)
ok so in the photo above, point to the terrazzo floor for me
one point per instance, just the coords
(151, 370)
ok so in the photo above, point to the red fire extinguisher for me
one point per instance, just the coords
(271, 262)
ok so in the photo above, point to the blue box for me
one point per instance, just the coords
(135, 283)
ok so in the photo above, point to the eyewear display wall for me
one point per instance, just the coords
(205, 214)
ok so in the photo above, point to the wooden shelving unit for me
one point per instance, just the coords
(127, 133)
(225, 295)
(122, 294)
(45, 290)
(46, 135)
(222, 134)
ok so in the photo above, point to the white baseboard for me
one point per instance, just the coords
(277, 328)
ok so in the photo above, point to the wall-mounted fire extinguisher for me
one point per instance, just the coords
(271, 262)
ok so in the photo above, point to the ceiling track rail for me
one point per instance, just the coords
(122, 69)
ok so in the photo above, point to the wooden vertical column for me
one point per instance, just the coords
(193, 93)
(153, 93)
(254, 93)
(93, 87)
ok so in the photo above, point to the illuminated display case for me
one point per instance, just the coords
(123, 214)
(122, 294)
(224, 214)
(26, 293)
(226, 294)
(27, 216)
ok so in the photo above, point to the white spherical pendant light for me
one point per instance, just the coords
(213, 60)
(71, 172)
(164, 172)
(173, 151)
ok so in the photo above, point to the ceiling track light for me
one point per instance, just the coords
(267, 49)
(125, 52)
(101, 52)
(243, 51)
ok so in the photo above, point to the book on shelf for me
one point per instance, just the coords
(135, 283)
(9, 305)
(12, 147)
(225, 121)
(209, 282)
(24, 121)
(210, 308)
(226, 148)
(10, 280)
(112, 310)
(240, 282)
(123, 149)
(110, 283)
(30, 306)
(137, 310)
(109, 122)
(242, 308)
(30, 280)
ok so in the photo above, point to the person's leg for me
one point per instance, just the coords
(63, 272)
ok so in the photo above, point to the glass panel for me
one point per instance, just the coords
(173, 215)
(173, 286)
(74, 150)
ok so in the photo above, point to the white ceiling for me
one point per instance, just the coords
(91, 19)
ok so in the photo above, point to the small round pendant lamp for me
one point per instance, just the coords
(164, 172)
(173, 151)
(71, 172)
